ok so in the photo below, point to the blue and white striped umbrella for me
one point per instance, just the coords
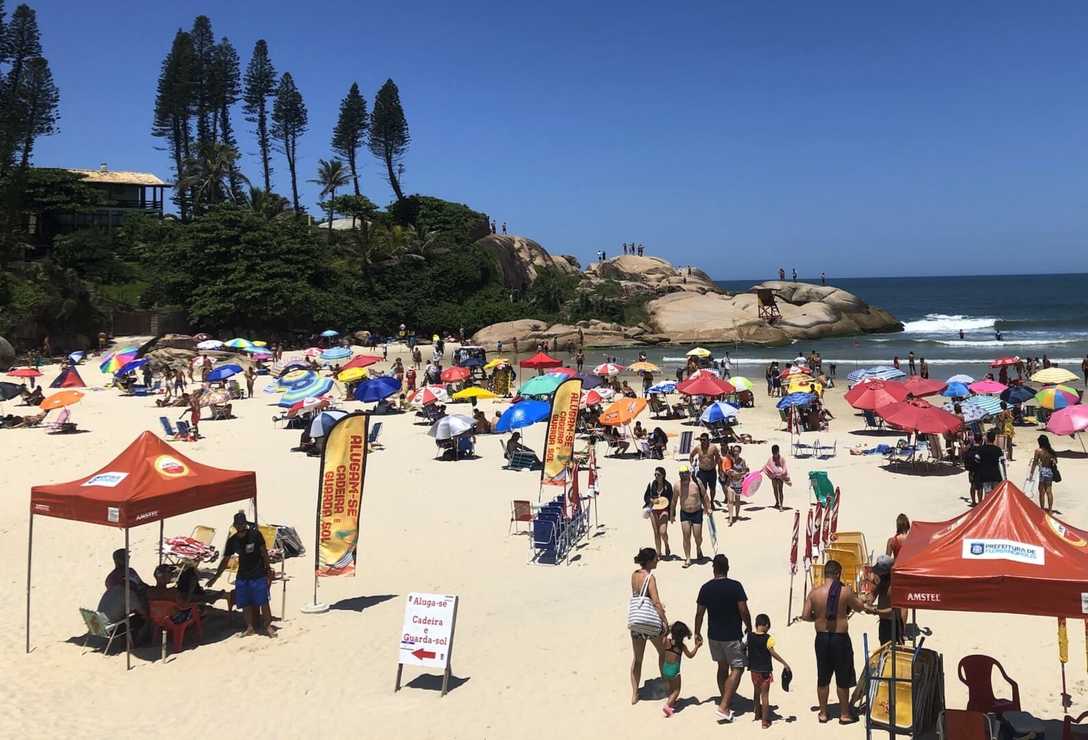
(667, 386)
(324, 421)
(294, 379)
(319, 387)
(976, 407)
(961, 378)
(336, 353)
(880, 372)
(717, 412)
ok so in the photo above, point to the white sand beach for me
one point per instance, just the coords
(539, 651)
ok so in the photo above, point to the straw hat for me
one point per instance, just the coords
(660, 503)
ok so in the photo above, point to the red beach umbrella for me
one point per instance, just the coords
(25, 372)
(1004, 361)
(361, 361)
(919, 386)
(541, 360)
(920, 416)
(455, 374)
(705, 385)
(874, 394)
(566, 372)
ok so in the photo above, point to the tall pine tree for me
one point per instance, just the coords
(173, 110)
(289, 122)
(389, 137)
(260, 86)
(350, 132)
(37, 99)
(22, 42)
(226, 91)
(3, 36)
(203, 80)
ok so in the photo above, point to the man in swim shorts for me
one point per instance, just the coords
(709, 458)
(693, 502)
(828, 606)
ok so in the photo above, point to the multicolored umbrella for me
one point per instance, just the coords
(667, 386)
(608, 370)
(130, 366)
(741, 383)
(566, 372)
(115, 360)
(1052, 375)
(324, 421)
(523, 414)
(1005, 361)
(878, 372)
(718, 412)
(60, 400)
(962, 379)
(336, 353)
(1057, 397)
(311, 352)
(429, 394)
(238, 343)
(317, 388)
(698, 352)
(293, 379)
(597, 396)
(795, 399)
(976, 408)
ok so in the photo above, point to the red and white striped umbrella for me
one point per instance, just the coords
(835, 514)
(793, 544)
(817, 525)
(429, 394)
(808, 541)
(826, 529)
(597, 396)
(608, 370)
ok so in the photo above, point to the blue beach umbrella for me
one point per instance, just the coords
(330, 333)
(324, 421)
(131, 365)
(956, 390)
(238, 343)
(336, 353)
(879, 372)
(667, 386)
(976, 408)
(376, 389)
(796, 399)
(962, 379)
(293, 366)
(541, 385)
(319, 387)
(589, 382)
(223, 372)
(523, 414)
(295, 379)
(76, 357)
(717, 412)
(1017, 394)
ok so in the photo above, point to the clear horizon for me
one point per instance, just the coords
(844, 137)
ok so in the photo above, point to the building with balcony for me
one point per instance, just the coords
(123, 193)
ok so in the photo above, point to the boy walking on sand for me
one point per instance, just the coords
(760, 653)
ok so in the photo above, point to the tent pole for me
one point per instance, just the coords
(128, 610)
(160, 540)
(29, 556)
(256, 520)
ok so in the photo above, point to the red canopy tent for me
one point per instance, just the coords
(148, 482)
(541, 360)
(1005, 555)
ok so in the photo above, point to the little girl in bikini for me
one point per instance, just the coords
(675, 650)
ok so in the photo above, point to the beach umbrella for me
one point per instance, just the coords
(76, 357)
(429, 394)
(597, 396)
(608, 370)
(296, 379)
(361, 361)
(803, 384)
(987, 387)
(871, 395)
(1052, 375)
(566, 372)
(9, 391)
(667, 386)
(541, 360)
(307, 404)
(704, 385)
(351, 375)
(496, 362)
(589, 381)
(795, 370)
(1070, 420)
(918, 386)
(1004, 361)
(451, 426)
(131, 365)
(541, 385)
(323, 422)
(330, 333)
(956, 390)
(523, 414)
(961, 378)
(377, 388)
(643, 367)
(114, 360)
(214, 397)
(224, 371)
(259, 343)
(976, 407)
(60, 400)
(795, 399)
(920, 416)
(704, 371)
(741, 383)
(25, 372)
(622, 411)
(455, 374)
(209, 344)
(1017, 394)
(336, 353)
(698, 352)
(1057, 397)
(473, 391)
(311, 352)
(878, 372)
(292, 366)
(718, 412)
(237, 343)
(316, 388)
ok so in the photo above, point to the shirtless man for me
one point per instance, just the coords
(829, 605)
(693, 502)
(709, 458)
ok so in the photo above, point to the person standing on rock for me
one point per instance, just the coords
(794, 273)
(781, 273)
(504, 228)
(823, 278)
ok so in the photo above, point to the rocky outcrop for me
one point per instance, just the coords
(645, 275)
(808, 312)
(7, 355)
(585, 333)
(520, 259)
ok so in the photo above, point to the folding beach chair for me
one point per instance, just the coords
(185, 432)
(375, 432)
(520, 511)
(168, 428)
(683, 450)
(98, 625)
(872, 421)
(821, 486)
(61, 424)
(523, 460)
(804, 449)
(825, 451)
(1070, 723)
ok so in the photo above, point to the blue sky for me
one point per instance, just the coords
(857, 138)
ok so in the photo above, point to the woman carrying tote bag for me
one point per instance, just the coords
(645, 616)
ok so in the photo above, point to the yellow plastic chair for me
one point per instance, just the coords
(904, 688)
(203, 535)
(850, 538)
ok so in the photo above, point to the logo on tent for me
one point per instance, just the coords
(1017, 552)
(977, 548)
(169, 466)
(1066, 533)
(106, 480)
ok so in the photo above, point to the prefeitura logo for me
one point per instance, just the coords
(1017, 552)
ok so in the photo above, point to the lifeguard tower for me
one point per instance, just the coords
(768, 307)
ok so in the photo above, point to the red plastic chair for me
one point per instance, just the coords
(162, 612)
(1070, 722)
(976, 671)
(957, 724)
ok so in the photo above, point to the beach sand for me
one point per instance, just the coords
(539, 651)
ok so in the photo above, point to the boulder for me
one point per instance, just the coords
(7, 355)
(649, 275)
(566, 336)
(520, 259)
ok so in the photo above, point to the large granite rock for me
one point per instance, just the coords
(520, 259)
(585, 333)
(7, 355)
(641, 275)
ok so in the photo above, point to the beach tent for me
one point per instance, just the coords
(148, 482)
(1006, 555)
(68, 378)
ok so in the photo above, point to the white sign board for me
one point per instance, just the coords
(427, 635)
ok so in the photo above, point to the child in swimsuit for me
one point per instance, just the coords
(675, 650)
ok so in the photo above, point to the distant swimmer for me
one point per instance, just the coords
(961, 333)
(997, 335)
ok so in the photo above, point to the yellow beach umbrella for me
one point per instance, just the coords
(643, 367)
(492, 364)
(473, 391)
(699, 352)
(802, 384)
(1053, 375)
(741, 383)
(351, 374)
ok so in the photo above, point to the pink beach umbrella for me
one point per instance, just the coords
(1070, 420)
(987, 387)
(751, 483)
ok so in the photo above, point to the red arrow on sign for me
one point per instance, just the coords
(422, 654)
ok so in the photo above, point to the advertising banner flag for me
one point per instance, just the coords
(340, 495)
(559, 443)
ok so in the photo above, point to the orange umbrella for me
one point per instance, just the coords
(60, 400)
(623, 411)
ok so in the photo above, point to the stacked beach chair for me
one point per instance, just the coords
(556, 530)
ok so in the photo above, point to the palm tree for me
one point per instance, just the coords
(210, 173)
(267, 204)
(331, 176)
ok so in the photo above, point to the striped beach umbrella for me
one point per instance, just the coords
(319, 387)
(976, 407)
(295, 379)
(1057, 397)
(336, 353)
(238, 343)
(668, 386)
(717, 412)
(741, 383)
(608, 370)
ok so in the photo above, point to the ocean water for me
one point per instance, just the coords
(1036, 315)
